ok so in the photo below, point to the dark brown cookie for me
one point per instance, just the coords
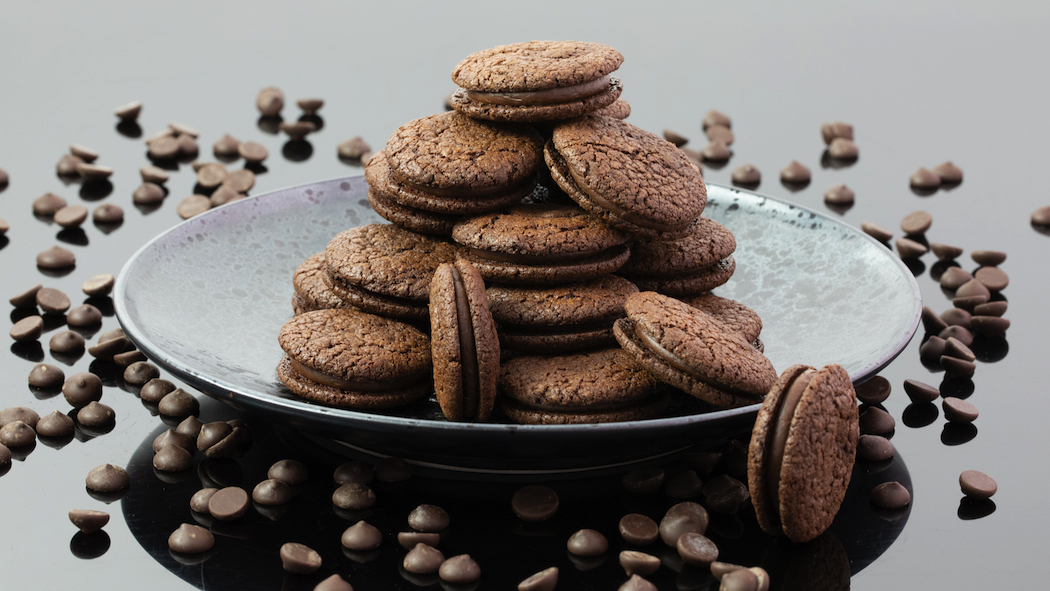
(353, 359)
(802, 451)
(595, 387)
(707, 243)
(729, 312)
(385, 269)
(537, 81)
(620, 109)
(690, 350)
(311, 289)
(628, 177)
(688, 284)
(541, 245)
(562, 318)
(410, 218)
(464, 343)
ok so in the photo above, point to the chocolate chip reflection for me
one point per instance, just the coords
(970, 508)
(957, 387)
(95, 190)
(990, 349)
(958, 433)
(918, 415)
(89, 546)
(297, 150)
(270, 124)
(129, 129)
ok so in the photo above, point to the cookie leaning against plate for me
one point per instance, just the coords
(537, 81)
(560, 318)
(628, 177)
(385, 269)
(688, 349)
(697, 262)
(802, 451)
(353, 359)
(595, 387)
(541, 245)
(464, 343)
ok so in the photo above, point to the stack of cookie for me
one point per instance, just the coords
(534, 186)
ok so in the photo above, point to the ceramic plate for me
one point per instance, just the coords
(206, 300)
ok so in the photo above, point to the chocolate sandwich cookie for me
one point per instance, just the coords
(453, 165)
(733, 314)
(464, 343)
(541, 245)
(537, 81)
(385, 269)
(353, 359)
(562, 318)
(417, 220)
(802, 451)
(688, 349)
(595, 387)
(697, 262)
(628, 177)
(311, 289)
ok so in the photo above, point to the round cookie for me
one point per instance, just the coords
(562, 318)
(541, 245)
(706, 243)
(537, 81)
(417, 220)
(594, 387)
(352, 359)
(385, 269)
(688, 349)
(311, 289)
(731, 313)
(628, 177)
(699, 281)
(465, 346)
(802, 451)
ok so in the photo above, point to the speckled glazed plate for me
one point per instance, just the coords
(206, 300)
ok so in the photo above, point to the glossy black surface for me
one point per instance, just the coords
(921, 82)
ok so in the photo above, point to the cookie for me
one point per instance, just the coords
(733, 314)
(541, 245)
(802, 451)
(465, 347)
(385, 269)
(353, 359)
(311, 289)
(450, 164)
(536, 81)
(417, 220)
(594, 387)
(628, 177)
(688, 349)
(620, 109)
(562, 318)
(697, 262)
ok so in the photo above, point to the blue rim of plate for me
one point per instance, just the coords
(333, 422)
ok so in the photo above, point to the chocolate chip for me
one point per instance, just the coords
(156, 389)
(188, 147)
(719, 133)
(993, 278)
(200, 499)
(211, 175)
(107, 213)
(153, 174)
(223, 195)
(172, 458)
(875, 390)
(191, 539)
(838, 129)
(746, 175)
(67, 341)
(945, 252)
(697, 550)
(949, 173)
(683, 485)
(310, 106)
(972, 292)
(19, 413)
(957, 368)
(147, 194)
(423, 560)
(392, 470)
(534, 503)
(988, 258)
(191, 427)
(459, 570)
(181, 129)
(27, 298)
(409, 539)
(88, 520)
(725, 494)
(545, 580)
(291, 472)
(52, 301)
(94, 172)
(130, 111)
(99, 285)
(977, 485)
(925, 178)
(67, 165)
(271, 492)
(716, 151)
(107, 478)
(354, 497)
(163, 146)
(953, 347)
(224, 439)
(839, 195)
(957, 410)
(890, 495)
(4, 178)
(56, 257)
(959, 332)
(795, 173)
(843, 149)
(178, 403)
(193, 205)
(240, 181)
(713, 118)
(875, 232)
(916, 222)
(297, 130)
(54, 424)
(46, 376)
(353, 148)
(682, 518)
(638, 529)
(27, 329)
(173, 437)
(81, 389)
(675, 138)
(228, 504)
(956, 317)
(1041, 216)
(353, 471)
(989, 326)
(226, 146)
(5, 455)
(140, 372)
(997, 308)
(361, 537)
(98, 415)
(587, 543)
(270, 101)
(875, 421)
(333, 583)
(17, 434)
(741, 580)
(71, 216)
(128, 357)
(919, 392)
(647, 480)
(84, 316)
(909, 249)
(252, 151)
(47, 204)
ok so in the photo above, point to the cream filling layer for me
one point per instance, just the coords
(678, 363)
(777, 439)
(468, 350)
(367, 386)
(550, 96)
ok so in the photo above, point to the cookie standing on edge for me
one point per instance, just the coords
(464, 343)
(352, 359)
(802, 451)
(629, 178)
(537, 81)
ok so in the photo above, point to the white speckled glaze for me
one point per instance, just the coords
(206, 300)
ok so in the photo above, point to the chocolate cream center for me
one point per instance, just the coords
(544, 259)
(468, 351)
(366, 386)
(680, 364)
(777, 439)
(550, 96)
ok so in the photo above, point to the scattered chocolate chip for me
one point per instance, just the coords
(67, 165)
(147, 194)
(874, 391)
(423, 560)
(953, 347)
(19, 413)
(44, 375)
(409, 539)
(228, 504)
(164, 147)
(741, 580)
(795, 173)
(67, 341)
(299, 559)
(587, 542)
(916, 222)
(843, 149)
(178, 403)
(99, 285)
(909, 249)
(27, 298)
(989, 326)
(81, 389)
(84, 316)
(919, 392)
(333, 583)
(993, 278)
(647, 480)
(291, 472)
(128, 357)
(107, 213)
(990, 309)
(17, 434)
(838, 129)
(191, 539)
(716, 151)
(181, 129)
(241, 180)
(682, 518)
(310, 106)
(949, 173)
(716, 118)
(719, 133)
(955, 277)
(130, 111)
(945, 252)
(353, 148)
(52, 301)
(193, 205)
(5, 455)
(270, 101)
(252, 151)
(172, 458)
(428, 518)
(890, 495)
(725, 494)
(925, 178)
(957, 368)
(98, 415)
(88, 520)
(94, 172)
(534, 503)
(959, 332)
(1041, 216)
(71, 216)
(697, 550)
(839, 195)
(56, 257)
(459, 570)
(977, 485)
(224, 439)
(173, 437)
(545, 580)
(84, 153)
(353, 471)
(874, 448)
(27, 329)
(297, 130)
(140, 372)
(191, 427)
(153, 174)
(875, 232)
(957, 410)
(875, 421)
(188, 147)
(353, 497)
(272, 492)
(107, 478)
(361, 537)
(200, 499)
(211, 175)
(675, 138)
(47, 204)
(638, 529)
(746, 175)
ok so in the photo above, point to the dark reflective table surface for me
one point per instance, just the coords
(922, 83)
